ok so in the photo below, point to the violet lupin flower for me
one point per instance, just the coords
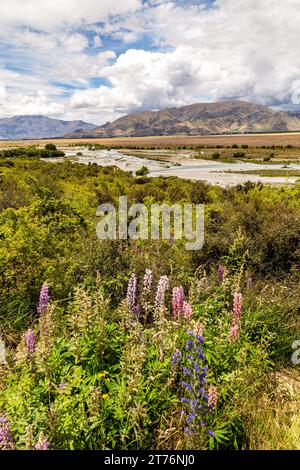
(42, 443)
(177, 301)
(220, 272)
(195, 397)
(176, 358)
(44, 298)
(30, 341)
(162, 287)
(6, 439)
(131, 292)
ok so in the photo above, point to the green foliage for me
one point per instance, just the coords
(98, 378)
(143, 171)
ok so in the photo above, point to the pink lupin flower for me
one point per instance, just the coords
(198, 330)
(212, 397)
(30, 341)
(237, 307)
(234, 331)
(187, 310)
(177, 301)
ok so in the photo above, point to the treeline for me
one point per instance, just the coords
(50, 151)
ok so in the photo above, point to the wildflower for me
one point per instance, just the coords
(62, 386)
(198, 330)
(212, 397)
(249, 283)
(147, 281)
(236, 317)
(188, 431)
(237, 307)
(234, 331)
(186, 371)
(220, 272)
(30, 341)
(42, 443)
(187, 310)
(131, 292)
(211, 433)
(185, 400)
(162, 287)
(44, 298)
(6, 439)
(177, 301)
(105, 396)
(176, 358)
(191, 417)
(187, 386)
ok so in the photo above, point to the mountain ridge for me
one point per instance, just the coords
(198, 118)
(39, 127)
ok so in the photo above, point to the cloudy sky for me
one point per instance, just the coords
(99, 59)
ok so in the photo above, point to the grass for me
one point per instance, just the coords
(253, 140)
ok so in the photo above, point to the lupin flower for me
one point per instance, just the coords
(237, 307)
(212, 397)
(162, 287)
(42, 443)
(176, 358)
(30, 341)
(196, 400)
(187, 310)
(44, 298)
(177, 301)
(220, 272)
(234, 331)
(6, 439)
(249, 283)
(147, 281)
(131, 292)
(198, 330)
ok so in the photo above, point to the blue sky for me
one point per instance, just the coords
(99, 59)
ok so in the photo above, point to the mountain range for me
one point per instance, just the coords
(38, 127)
(200, 118)
(195, 119)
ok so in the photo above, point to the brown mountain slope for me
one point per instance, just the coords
(200, 118)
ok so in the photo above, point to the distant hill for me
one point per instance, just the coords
(195, 119)
(38, 127)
